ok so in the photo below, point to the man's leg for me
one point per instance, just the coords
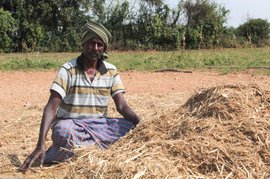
(69, 133)
(65, 135)
(106, 131)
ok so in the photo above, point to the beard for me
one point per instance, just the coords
(93, 56)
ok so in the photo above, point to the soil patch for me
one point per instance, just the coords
(159, 98)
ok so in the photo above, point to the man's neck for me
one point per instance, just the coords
(90, 67)
(90, 64)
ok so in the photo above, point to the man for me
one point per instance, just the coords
(77, 107)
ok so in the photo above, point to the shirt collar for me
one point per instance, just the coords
(102, 67)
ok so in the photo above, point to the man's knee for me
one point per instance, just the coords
(62, 133)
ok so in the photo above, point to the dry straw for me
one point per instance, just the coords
(219, 132)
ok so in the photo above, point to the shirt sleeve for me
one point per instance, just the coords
(117, 85)
(61, 82)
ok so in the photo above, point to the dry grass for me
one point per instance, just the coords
(219, 132)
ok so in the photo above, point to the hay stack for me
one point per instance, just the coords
(228, 102)
(220, 132)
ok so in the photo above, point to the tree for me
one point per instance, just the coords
(255, 31)
(116, 17)
(205, 23)
(55, 25)
(156, 26)
(62, 21)
(7, 31)
(228, 39)
(51, 25)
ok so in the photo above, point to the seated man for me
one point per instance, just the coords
(77, 107)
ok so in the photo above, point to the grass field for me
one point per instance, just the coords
(223, 60)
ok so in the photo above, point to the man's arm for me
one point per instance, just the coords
(47, 118)
(124, 109)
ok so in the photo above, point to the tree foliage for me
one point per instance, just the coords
(255, 31)
(55, 25)
(50, 25)
(7, 30)
(205, 23)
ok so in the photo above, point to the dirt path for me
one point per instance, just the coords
(22, 89)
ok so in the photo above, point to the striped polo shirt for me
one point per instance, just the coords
(82, 98)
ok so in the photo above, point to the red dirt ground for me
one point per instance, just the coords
(21, 91)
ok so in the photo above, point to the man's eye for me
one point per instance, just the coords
(100, 44)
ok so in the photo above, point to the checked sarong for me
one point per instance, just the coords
(70, 133)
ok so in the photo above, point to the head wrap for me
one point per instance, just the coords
(91, 29)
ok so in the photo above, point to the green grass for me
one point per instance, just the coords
(33, 61)
(223, 60)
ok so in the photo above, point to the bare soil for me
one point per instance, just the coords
(22, 89)
(23, 96)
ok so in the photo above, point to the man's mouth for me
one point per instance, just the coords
(94, 55)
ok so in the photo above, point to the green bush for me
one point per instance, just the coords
(7, 30)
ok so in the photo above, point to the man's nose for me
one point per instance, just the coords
(96, 46)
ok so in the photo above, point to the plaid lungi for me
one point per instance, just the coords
(70, 133)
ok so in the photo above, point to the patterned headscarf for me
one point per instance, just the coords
(91, 29)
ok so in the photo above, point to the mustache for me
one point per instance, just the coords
(98, 54)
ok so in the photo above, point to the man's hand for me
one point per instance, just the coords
(38, 153)
(124, 109)
(47, 118)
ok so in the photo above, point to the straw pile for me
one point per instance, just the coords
(219, 132)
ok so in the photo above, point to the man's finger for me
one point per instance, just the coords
(28, 162)
(42, 160)
(31, 162)
(25, 164)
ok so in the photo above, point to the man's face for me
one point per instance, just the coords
(93, 48)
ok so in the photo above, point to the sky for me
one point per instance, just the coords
(241, 10)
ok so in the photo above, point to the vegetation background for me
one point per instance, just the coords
(55, 25)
